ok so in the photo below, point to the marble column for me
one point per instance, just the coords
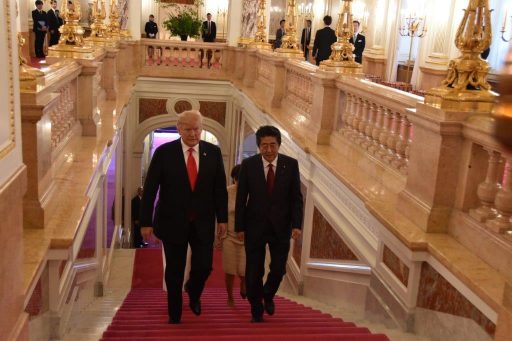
(134, 19)
(109, 77)
(234, 29)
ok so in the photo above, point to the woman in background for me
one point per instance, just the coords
(233, 253)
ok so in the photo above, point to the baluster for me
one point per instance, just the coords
(377, 128)
(401, 143)
(503, 202)
(384, 133)
(370, 124)
(408, 150)
(392, 137)
(363, 121)
(346, 115)
(487, 190)
(353, 118)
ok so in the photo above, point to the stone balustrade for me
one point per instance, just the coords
(299, 87)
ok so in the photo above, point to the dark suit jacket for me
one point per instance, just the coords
(54, 21)
(37, 18)
(136, 209)
(209, 38)
(151, 27)
(177, 202)
(358, 47)
(255, 208)
(279, 38)
(305, 40)
(324, 38)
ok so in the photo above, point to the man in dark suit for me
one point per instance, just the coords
(305, 39)
(40, 28)
(54, 23)
(137, 237)
(151, 27)
(209, 30)
(192, 182)
(269, 211)
(281, 31)
(359, 42)
(324, 38)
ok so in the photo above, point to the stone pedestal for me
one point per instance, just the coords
(127, 61)
(434, 165)
(251, 67)
(239, 63)
(89, 87)
(375, 65)
(431, 77)
(322, 111)
(109, 74)
(272, 76)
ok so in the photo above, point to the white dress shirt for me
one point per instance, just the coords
(195, 154)
(266, 163)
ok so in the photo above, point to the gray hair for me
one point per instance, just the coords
(189, 115)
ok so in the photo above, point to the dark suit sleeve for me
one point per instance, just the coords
(296, 198)
(363, 44)
(221, 193)
(242, 192)
(151, 185)
(303, 36)
(315, 44)
(214, 31)
(147, 29)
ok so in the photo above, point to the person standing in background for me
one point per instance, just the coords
(151, 27)
(40, 28)
(137, 237)
(209, 31)
(280, 34)
(305, 39)
(54, 23)
(324, 38)
(359, 42)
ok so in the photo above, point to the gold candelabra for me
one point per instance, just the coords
(290, 45)
(504, 28)
(114, 28)
(98, 28)
(342, 58)
(414, 27)
(465, 87)
(29, 76)
(260, 38)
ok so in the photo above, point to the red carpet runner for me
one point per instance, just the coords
(143, 315)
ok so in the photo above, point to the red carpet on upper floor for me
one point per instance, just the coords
(143, 314)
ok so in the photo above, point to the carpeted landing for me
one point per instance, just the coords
(143, 314)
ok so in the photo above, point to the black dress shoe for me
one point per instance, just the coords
(195, 306)
(174, 320)
(257, 319)
(270, 307)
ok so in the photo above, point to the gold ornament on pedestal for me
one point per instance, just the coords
(465, 87)
(30, 77)
(114, 28)
(99, 31)
(342, 55)
(290, 45)
(260, 39)
(71, 42)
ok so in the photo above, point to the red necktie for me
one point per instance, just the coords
(271, 178)
(192, 169)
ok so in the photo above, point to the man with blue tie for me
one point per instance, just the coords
(359, 42)
(40, 28)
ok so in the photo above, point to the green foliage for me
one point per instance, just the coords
(185, 23)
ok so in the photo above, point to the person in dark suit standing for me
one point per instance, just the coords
(40, 28)
(359, 42)
(54, 23)
(305, 39)
(324, 38)
(209, 30)
(269, 210)
(137, 237)
(281, 31)
(190, 176)
(151, 27)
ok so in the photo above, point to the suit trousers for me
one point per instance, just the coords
(39, 43)
(255, 250)
(54, 38)
(200, 269)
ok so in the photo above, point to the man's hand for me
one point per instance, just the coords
(147, 234)
(296, 233)
(240, 236)
(221, 229)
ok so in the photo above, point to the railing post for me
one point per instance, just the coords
(325, 93)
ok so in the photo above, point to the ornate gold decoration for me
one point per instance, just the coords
(30, 77)
(71, 42)
(260, 38)
(99, 30)
(414, 27)
(465, 87)
(342, 57)
(7, 146)
(114, 28)
(290, 46)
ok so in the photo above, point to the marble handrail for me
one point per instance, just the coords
(182, 54)
(376, 118)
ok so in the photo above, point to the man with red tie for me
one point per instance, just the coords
(190, 176)
(269, 210)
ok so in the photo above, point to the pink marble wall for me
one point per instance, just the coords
(326, 243)
(436, 293)
(397, 267)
